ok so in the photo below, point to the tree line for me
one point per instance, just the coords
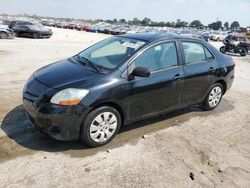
(178, 24)
(145, 22)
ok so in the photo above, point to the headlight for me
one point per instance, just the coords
(69, 97)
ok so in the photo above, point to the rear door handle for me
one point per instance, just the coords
(177, 76)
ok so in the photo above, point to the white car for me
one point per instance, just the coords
(5, 32)
(218, 35)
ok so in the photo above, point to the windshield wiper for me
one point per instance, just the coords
(88, 62)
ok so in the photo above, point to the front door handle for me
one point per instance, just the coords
(212, 69)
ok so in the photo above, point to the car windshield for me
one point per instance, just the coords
(109, 54)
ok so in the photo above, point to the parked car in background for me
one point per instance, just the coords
(88, 28)
(6, 32)
(34, 31)
(4, 22)
(184, 32)
(206, 36)
(20, 23)
(218, 35)
(124, 79)
(12, 23)
(93, 28)
(69, 26)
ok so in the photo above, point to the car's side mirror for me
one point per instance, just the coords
(139, 72)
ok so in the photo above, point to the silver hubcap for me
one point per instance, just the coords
(215, 96)
(103, 127)
(3, 35)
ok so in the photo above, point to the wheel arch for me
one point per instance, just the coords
(223, 83)
(220, 81)
(113, 105)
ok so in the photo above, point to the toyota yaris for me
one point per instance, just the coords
(124, 79)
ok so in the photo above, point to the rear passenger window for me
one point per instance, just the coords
(209, 56)
(196, 53)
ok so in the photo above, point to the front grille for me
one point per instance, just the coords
(32, 97)
(35, 93)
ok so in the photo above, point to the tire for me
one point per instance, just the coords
(242, 52)
(99, 126)
(35, 35)
(223, 49)
(3, 35)
(213, 97)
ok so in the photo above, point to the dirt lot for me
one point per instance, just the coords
(187, 148)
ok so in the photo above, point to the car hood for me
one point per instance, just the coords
(64, 74)
(36, 28)
(3, 26)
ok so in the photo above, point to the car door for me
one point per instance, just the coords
(161, 90)
(199, 71)
(20, 30)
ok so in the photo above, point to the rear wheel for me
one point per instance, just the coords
(242, 51)
(3, 35)
(213, 97)
(100, 126)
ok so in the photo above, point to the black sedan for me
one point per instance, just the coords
(34, 31)
(124, 79)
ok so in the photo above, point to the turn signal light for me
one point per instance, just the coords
(69, 103)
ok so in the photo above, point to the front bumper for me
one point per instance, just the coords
(45, 35)
(60, 122)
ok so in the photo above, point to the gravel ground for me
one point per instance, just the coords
(187, 148)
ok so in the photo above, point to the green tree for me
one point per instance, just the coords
(5, 15)
(136, 21)
(161, 24)
(109, 21)
(146, 21)
(215, 25)
(35, 17)
(196, 24)
(115, 21)
(226, 25)
(168, 24)
(122, 21)
(181, 23)
(235, 25)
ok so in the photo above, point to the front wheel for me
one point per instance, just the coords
(35, 35)
(213, 97)
(223, 49)
(100, 126)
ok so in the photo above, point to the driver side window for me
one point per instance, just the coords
(158, 57)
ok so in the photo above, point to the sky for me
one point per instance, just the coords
(158, 10)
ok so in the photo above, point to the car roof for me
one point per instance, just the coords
(151, 37)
